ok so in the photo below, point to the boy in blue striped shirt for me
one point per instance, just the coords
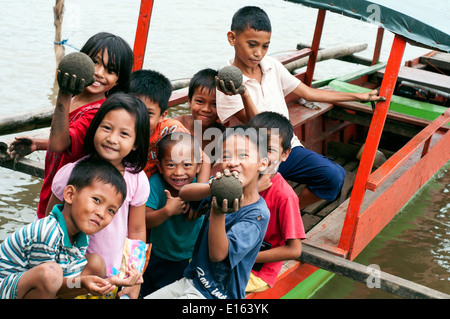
(46, 259)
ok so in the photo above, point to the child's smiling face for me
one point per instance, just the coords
(115, 137)
(240, 155)
(105, 79)
(178, 165)
(203, 106)
(92, 207)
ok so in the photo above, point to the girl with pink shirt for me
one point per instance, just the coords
(119, 133)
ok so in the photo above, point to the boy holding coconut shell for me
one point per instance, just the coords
(229, 242)
(264, 86)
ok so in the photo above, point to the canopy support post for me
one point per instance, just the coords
(378, 43)
(140, 41)
(315, 47)
(371, 146)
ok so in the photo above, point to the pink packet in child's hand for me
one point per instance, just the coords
(135, 252)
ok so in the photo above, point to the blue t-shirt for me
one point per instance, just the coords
(227, 279)
(175, 238)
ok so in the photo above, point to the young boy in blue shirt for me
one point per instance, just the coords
(228, 244)
(46, 259)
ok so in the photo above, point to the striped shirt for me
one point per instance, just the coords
(45, 240)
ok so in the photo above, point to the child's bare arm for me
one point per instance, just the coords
(291, 250)
(217, 236)
(205, 169)
(59, 139)
(174, 206)
(136, 223)
(51, 203)
(195, 191)
(319, 95)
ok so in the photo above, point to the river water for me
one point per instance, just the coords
(185, 36)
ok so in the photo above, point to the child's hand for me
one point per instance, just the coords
(222, 87)
(70, 84)
(371, 96)
(97, 286)
(175, 205)
(21, 147)
(132, 277)
(224, 207)
(75, 72)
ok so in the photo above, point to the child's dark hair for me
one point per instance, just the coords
(251, 17)
(136, 159)
(273, 120)
(120, 57)
(256, 136)
(176, 137)
(203, 79)
(152, 85)
(91, 169)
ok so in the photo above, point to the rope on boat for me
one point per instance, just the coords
(64, 42)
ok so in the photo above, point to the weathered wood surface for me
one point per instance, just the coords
(328, 54)
(370, 275)
(26, 121)
(439, 61)
(422, 77)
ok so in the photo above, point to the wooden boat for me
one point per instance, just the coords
(409, 129)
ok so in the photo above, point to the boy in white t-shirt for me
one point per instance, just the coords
(266, 82)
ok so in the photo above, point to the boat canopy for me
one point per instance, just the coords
(421, 23)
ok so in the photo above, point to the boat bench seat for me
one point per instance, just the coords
(426, 78)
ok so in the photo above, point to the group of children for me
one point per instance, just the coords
(116, 167)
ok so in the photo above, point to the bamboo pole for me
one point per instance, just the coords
(58, 12)
(328, 54)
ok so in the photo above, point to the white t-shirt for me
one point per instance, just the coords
(276, 83)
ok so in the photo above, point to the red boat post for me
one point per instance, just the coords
(315, 47)
(140, 40)
(372, 142)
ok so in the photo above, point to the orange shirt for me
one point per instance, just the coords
(163, 128)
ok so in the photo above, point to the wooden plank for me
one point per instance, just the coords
(328, 230)
(179, 96)
(387, 282)
(439, 61)
(26, 166)
(390, 202)
(396, 160)
(26, 121)
(298, 54)
(325, 54)
(427, 78)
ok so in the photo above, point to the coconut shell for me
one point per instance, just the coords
(226, 187)
(80, 65)
(230, 73)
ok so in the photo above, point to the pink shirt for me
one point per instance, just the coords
(269, 95)
(109, 242)
(285, 223)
